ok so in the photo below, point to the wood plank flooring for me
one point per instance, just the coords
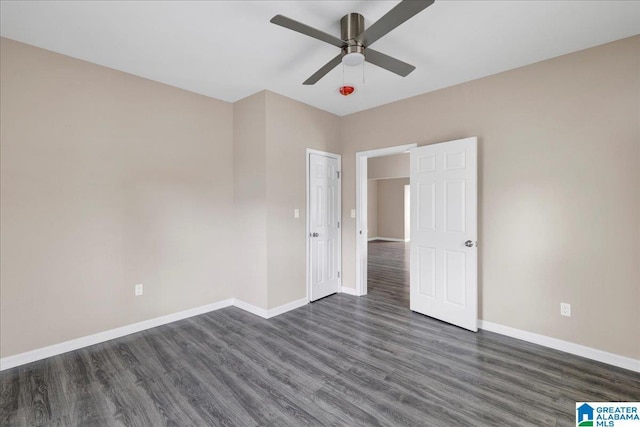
(388, 272)
(342, 361)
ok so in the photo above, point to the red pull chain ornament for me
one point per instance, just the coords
(346, 90)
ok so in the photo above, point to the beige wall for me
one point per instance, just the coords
(250, 200)
(559, 189)
(395, 166)
(292, 127)
(271, 135)
(107, 180)
(110, 180)
(372, 208)
(380, 169)
(391, 208)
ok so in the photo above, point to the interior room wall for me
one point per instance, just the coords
(391, 223)
(271, 135)
(291, 128)
(107, 180)
(372, 208)
(154, 163)
(559, 189)
(379, 169)
(394, 166)
(250, 200)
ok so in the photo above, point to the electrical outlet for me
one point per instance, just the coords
(565, 309)
(138, 289)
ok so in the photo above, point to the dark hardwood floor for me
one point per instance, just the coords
(388, 272)
(342, 361)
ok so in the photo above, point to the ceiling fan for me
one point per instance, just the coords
(355, 39)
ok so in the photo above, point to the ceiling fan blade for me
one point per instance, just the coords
(323, 71)
(403, 11)
(388, 63)
(291, 24)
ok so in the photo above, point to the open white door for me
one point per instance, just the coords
(324, 212)
(444, 254)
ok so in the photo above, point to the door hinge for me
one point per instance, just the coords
(338, 274)
(338, 224)
(338, 173)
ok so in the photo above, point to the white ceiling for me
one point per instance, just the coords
(229, 50)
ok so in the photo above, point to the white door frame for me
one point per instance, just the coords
(361, 209)
(308, 216)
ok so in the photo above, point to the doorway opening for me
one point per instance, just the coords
(388, 229)
(444, 257)
(362, 219)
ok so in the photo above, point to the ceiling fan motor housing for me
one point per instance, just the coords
(351, 26)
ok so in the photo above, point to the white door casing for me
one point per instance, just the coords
(362, 157)
(324, 222)
(444, 254)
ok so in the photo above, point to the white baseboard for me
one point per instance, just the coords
(388, 239)
(566, 346)
(348, 291)
(74, 344)
(268, 314)
(276, 311)
(64, 347)
(261, 312)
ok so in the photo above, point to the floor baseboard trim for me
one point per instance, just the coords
(268, 314)
(388, 239)
(566, 346)
(281, 309)
(77, 343)
(260, 312)
(348, 291)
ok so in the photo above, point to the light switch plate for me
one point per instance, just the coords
(296, 213)
(353, 213)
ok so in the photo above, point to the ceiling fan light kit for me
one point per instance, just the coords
(353, 58)
(356, 39)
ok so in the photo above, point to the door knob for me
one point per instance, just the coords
(469, 244)
(314, 234)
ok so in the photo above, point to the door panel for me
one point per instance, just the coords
(443, 277)
(427, 206)
(427, 271)
(324, 227)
